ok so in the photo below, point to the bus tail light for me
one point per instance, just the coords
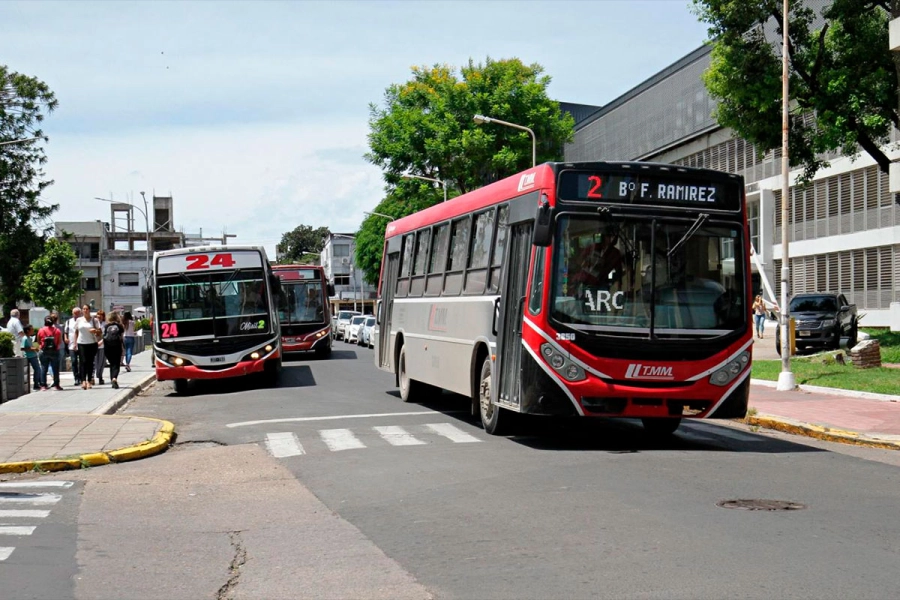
(561, 363)
(729, 372)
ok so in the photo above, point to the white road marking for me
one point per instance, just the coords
(5, 552)
(397, 436)
(452, 433)
(331, 418)
(17, 530)
(13, 498)
(36, 484)
(340, 439)
(281, 445)
(27, 514)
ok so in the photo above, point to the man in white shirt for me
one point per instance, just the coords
(14, 326)
(70, 342)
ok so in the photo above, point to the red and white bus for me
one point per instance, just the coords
(215, 314)
(610, 289)
(303, 309)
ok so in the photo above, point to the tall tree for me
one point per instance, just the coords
(844, 79)
(425, 127)
(24, 102)
(53, 279)
(300, 241)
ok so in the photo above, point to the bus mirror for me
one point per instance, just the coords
(543, 221)
(275, 283)
(146, 296)
(330, 288)
(378, 312)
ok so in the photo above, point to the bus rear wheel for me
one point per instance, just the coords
(181, 386)
(494, 419)
(659, 427)
(410, 389)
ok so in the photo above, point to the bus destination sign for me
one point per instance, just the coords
(648, 189)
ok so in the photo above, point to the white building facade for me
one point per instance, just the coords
(351, 292)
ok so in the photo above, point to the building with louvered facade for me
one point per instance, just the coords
(844, 225)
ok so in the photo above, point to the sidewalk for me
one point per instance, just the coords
(845, 416)
(70, 429)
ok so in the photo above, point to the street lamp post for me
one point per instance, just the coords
(22, 141)
(483, 119)
(786, 379)
(377, 214)
(443, 184)
(146, 222)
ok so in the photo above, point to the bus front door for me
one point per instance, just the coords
(387, 304)
(512, 303)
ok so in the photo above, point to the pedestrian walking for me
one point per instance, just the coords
(63, 349)
(114, 344)
(87, 332)
(71, 345)
(50, 340)
(14, 326)
(128, 324)
(759, 315)
(100, 359)
(29, 350)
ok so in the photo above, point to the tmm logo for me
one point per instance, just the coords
(526, 182)
(639, 371)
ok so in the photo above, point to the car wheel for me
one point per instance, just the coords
(854, 336)
(181, 386)
(495, 419)
(660, 427)
(410, 389)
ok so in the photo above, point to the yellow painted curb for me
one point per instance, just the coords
(828, 434)
(157, 444)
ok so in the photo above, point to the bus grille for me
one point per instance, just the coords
(616, 405)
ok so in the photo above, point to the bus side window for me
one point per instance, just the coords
(537, 282)
(437, 260)
(405, 265)
(479, 252)
(459, 246)
(499, 248)
(417, 283)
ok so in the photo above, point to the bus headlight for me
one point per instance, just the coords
(179, 361)
(254, 355)
(561, 363)
(730, 371)
(268, 348)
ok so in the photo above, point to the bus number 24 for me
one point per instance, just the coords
(202, 261)
(169, 329)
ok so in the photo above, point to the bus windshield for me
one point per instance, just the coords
(221, 303)
(301, 302)
(657, 278)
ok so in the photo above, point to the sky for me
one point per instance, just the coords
(253, 116)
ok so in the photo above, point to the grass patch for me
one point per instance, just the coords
(816, 370)
(889, 342)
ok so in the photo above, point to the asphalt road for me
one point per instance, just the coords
(330, 486)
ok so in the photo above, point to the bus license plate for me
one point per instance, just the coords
(217, 359)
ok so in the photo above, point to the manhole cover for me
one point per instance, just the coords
(761, 504)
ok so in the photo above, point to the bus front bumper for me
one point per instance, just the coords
(305, 343)
(165, 372)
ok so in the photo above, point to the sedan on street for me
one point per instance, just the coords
(365, 333)
(351, 331)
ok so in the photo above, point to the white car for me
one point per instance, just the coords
(365, 334)
(351, 331)
(342, 321)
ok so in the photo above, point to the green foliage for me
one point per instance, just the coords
(23, 104)
(425, 127)
(53, 279)
(141, 324)
(843, 80)
(301, 241)
(6, 344)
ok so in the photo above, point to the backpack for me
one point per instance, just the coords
(112, 334)
(48, 344)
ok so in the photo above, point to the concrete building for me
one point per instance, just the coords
(351, 292)
(88, 239)
(844, 226)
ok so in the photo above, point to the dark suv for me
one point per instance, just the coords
(822, 320)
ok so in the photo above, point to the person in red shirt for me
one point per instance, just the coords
(50, 340)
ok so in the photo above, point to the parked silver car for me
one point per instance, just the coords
(366, 337)
(341, 321)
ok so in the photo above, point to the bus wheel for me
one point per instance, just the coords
(323, 352)
(660, 426)
(272, 369)
(181, 386)
(495, 420)
(410, 389)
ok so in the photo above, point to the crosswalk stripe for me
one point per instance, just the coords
(17, 530)
(12, 497)
(282, 445)
(25, 514)
(452, 433)
(397, 436)
(340, 439)
(5, 552)
(36, 484)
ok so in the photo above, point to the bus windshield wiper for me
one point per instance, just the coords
(689, 233)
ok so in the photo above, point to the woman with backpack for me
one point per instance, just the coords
(114, 344)
(50, 341)
(100, 359)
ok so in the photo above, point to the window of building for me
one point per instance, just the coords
(341, 280)
(753, 221)
(129, 279)
(341, 250)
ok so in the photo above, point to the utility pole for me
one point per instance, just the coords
(786, 381)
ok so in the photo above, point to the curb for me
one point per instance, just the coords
(818, 389)
(159, 443)
(820, 432)
(119, 401)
